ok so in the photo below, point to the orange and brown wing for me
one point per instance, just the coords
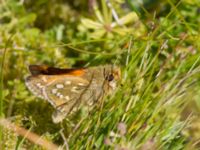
(46, 70)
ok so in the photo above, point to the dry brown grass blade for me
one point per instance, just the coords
(36, 139)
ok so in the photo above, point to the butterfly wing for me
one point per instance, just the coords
(62, 91)
(36, 85)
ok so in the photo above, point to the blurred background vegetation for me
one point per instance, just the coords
(156, 44)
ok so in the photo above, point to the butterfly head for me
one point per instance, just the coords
(112, 75)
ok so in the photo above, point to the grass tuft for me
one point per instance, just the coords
(156, 46)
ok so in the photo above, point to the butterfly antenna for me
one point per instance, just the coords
(104, 72)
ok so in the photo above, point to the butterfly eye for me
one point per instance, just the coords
(110, 77)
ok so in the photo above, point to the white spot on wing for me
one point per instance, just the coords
(68, 82)
(58, 94)
(59, 86)
(67, 97)
(74, 89)
(39, 85)
(54, 91)
(44, 79)
(81, 84)
(61, 96)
